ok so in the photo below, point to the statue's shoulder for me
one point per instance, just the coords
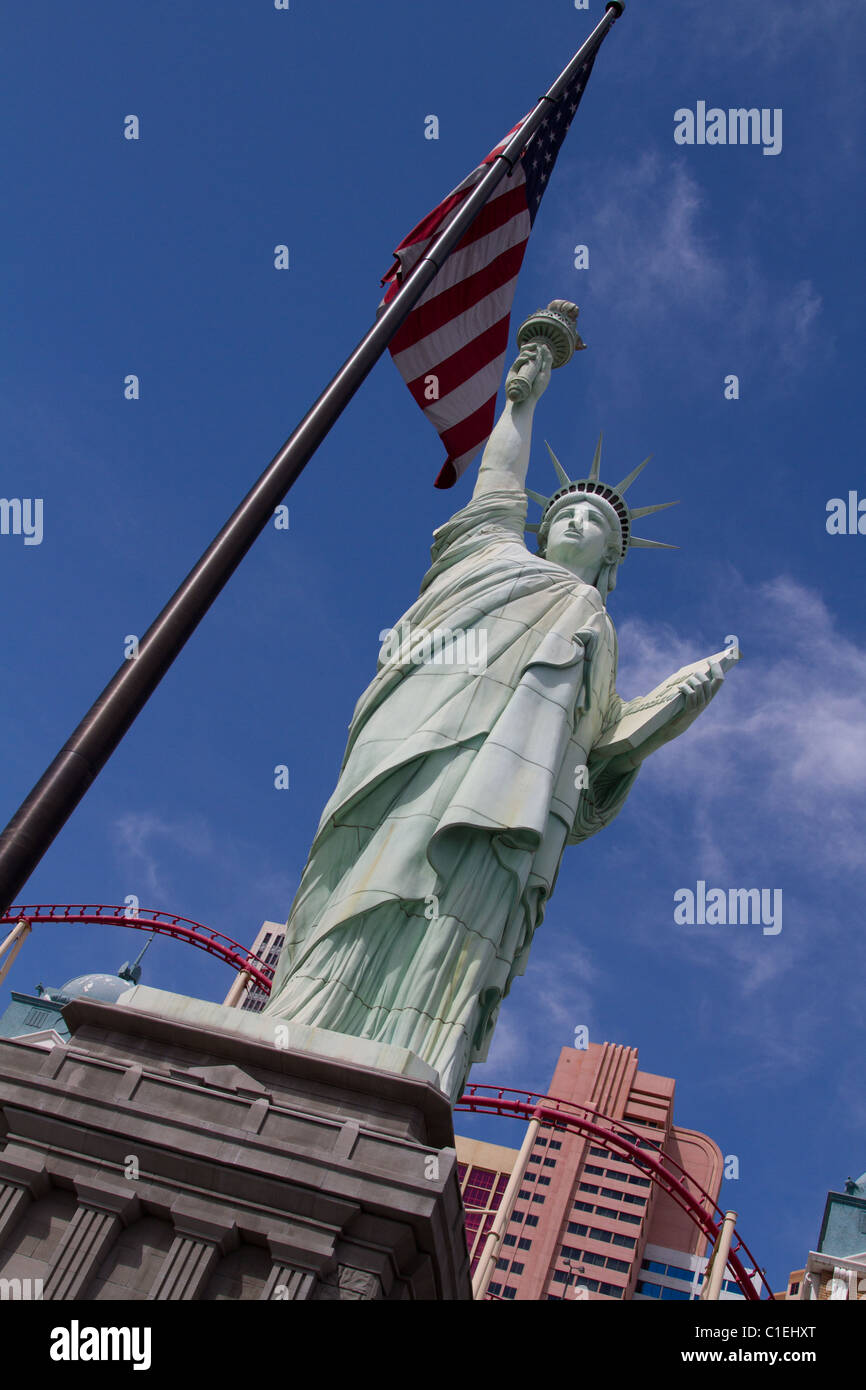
(493, 517)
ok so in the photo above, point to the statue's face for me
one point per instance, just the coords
(581, 537)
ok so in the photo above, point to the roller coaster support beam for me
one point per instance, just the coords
(13, 943)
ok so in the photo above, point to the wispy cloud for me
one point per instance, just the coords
(788, 728)
(145, 839)
(770, 784)
(156, 852)
(660, 255)
(540, 1016)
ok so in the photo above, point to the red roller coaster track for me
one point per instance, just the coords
(620, 1140)
(145, 919)
(490, 1100)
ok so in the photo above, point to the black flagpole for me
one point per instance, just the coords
(49, 805)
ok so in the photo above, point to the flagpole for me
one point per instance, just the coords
(49, 805)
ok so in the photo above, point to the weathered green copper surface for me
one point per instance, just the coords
(471, 763)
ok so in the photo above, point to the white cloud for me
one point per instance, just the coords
(769, 781)
(152, 846)
(540, 1016)
(671, 285)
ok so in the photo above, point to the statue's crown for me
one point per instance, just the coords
(613, 497)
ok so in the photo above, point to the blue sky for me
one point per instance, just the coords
(306, 127)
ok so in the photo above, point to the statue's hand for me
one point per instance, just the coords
(697, 690)
(528, 377)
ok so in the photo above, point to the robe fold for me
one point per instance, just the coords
(467, 771)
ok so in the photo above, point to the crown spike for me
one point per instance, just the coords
(560, 471)
(537, 497)
(627, 482)
(641, 544)
(596, 461)
(645, 511)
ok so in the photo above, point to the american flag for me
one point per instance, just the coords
(450, 350)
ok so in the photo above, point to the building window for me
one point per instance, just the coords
(589, 1168)
(627, 1216)
(675, 1294)
(538, 1197)
(494, 1288)
(574, 1228)
(569, 1252)
(510, 1238)
(583, 1206)
(621, 1266)
(599, 1153)
(639, 1182)
(479, 1187)
(523, 1195)
(643, 1286)
(509, 1291)
(561, 1276)
(586, 1187)
(607, 1211)
(554, 1144)
(612, 1290)
(543, 1182)
(550, 1163)
(610, 1192)
(590, 1284)
(531, 1221)
(633, 1199)
(535, 1158)
(625, 1240)
(598, 1234)
(524, 1244)
(591, 1258)
(654, 1267)
(38, 1016)
(795, 1288)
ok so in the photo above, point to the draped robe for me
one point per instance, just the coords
(460, 787)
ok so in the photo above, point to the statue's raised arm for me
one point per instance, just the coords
(546, 340)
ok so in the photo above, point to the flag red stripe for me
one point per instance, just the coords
(427, 318)
(429, 224)
(495, 214)
(468, 360)
(471, 432)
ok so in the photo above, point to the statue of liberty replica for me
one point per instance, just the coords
(491, 737)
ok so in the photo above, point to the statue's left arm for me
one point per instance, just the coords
(636, 728)
(655, 719)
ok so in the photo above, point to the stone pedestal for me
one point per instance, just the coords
(176, 1149)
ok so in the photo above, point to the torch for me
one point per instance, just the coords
(556, 328)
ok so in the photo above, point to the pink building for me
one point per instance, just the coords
(585, 1218)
